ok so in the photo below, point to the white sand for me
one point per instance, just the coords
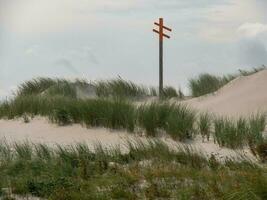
(241, 97)
(39, 130)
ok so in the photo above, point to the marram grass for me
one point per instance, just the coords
(207, 83)
(238, 133)
(147, 171)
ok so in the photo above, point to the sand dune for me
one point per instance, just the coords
(243, 96)
(39, 130)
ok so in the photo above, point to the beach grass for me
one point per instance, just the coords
(207, 83)
(241, 132)
(205, 125)
(176, 120)
(148, 170)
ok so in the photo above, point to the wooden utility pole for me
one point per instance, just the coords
(161, 37)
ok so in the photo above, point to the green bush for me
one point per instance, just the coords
(230, 133)
(207, 83)
(205, 125)
(169, 92)
(120, 88)
(180, 123)
(148, 170)
(204, 84)
(238, 133)
(154, 116)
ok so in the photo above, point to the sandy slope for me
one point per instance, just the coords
(39, 130)
(243, 96)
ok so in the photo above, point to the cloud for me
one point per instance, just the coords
(32, 50)
(67, 64)
(45, 16)
(252, 29)
(226, 23)
(8, 93)
(252, 52)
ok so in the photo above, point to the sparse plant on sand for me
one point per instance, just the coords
(238, 133)
(180, 123)
(154, 116)
(169, 92)
(207, 83)
(230, 133)
(260, 151)
(204, 84)
(205, 125)
(120, 88)
(147, 170)
(257, 124)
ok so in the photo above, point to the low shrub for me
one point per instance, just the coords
(230, 133)
(238, 133)
(205, 125)
(207, 83)
(169, 92)
(154, 116)
(120, 88)
(204, 84)
(180, 123)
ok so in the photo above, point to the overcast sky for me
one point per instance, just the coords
(99, 39)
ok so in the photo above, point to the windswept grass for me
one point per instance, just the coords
(169, 92)
(180, 123)
(238, 133)
(204, 84)
(51, 87)
(205, 125)
(154, 116)
(120, 88)
(207, 83)
(115, 88)
(176, 120)
(147, 171)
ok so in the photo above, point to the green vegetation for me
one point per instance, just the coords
(115, 88)
(51, 87)
(236, 134)
(180, 123)
(175, 120)
(147, 171)
(207, 83)
(169, 92)
(205, 125)
(204, 84)
(120, 88)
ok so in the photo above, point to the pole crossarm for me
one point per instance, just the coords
(162, 35)
(168, 29)
(156, 31)
(161, 29)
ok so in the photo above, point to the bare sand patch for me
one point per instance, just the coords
(39, 130)
(241, 97)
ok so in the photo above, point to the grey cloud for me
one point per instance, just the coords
(253, 52)
(85, 53)
(150, 5)
(63, 62)
(172, 4)
(90, 55)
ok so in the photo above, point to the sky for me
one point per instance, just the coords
(103, 39)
